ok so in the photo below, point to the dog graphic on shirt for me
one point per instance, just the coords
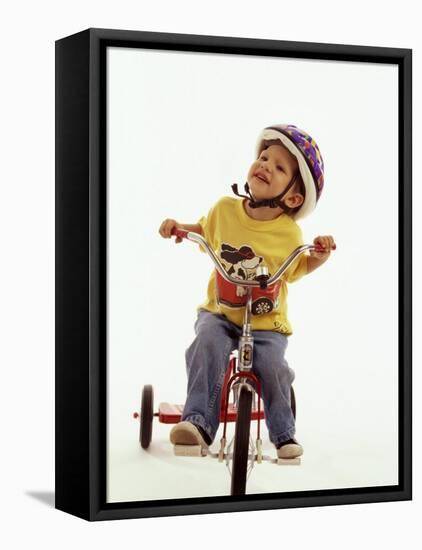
(242, 263)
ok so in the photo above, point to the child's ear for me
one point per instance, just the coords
(294, 200)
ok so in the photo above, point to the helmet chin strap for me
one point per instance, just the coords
(275, 202)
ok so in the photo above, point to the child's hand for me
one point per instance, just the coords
(327, 243)
(166, 228)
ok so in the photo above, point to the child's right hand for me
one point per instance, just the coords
(166, 228)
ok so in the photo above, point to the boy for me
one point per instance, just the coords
(283, 184)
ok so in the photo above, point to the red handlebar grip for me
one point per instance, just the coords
(182, 233)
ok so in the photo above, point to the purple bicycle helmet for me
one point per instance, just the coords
(308, 155)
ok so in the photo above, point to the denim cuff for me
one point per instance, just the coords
(285, 436)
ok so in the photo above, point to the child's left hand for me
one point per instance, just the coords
(327, 243)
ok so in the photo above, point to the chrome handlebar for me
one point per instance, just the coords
(199, 239)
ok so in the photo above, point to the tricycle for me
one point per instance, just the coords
(257, 296)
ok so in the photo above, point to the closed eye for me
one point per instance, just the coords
(264, 157)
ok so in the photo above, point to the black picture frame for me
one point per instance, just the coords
(81, 272)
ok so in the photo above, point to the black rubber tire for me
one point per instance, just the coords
(147, 416)
(293, 401)
(262, 303)
(241, 441)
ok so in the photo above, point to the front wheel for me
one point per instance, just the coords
(147, 416)
(241, 441)
(262, 305)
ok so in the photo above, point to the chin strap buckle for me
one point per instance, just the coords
(272, 203)
(275, 202)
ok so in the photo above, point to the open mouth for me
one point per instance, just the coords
(261, 178)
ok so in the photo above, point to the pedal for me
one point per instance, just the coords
(289, 461)
(259, 451)
(221, 451)
(189, 450)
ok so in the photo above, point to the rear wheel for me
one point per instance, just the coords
(241, 441)
(147, 415)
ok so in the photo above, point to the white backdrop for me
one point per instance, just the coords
(27, 275)
(182, 128)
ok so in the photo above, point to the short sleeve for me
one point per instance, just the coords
(207, 224)
(298, 269)
(203, 223)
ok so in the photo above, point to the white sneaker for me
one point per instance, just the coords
(186, 433)
(290, 449)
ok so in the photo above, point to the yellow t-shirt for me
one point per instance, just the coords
(241, 244)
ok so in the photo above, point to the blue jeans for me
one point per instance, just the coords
(206, 364)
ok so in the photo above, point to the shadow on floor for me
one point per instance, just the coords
(46, 497)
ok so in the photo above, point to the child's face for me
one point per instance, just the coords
(271, 172)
